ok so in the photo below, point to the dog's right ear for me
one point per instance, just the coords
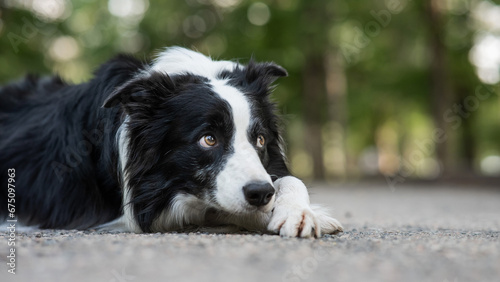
(141, 91)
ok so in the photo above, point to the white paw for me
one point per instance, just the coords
(304, 222)
(328, 224)
(293, 216)
(293, 222)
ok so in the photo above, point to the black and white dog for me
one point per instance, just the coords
(181, 143)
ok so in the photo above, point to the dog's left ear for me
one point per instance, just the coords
(141, 90)
(121, 94)
(264, 73)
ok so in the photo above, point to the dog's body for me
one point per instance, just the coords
(184, 142)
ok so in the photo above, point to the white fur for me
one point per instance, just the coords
(188, 212)
(127, 221)
(185, 210)
(244, 165)
(177, 60)
(293, 216)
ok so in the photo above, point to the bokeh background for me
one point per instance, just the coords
(391, 89)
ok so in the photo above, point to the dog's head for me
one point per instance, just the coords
(199, 131)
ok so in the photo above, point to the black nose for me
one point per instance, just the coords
(258, 194)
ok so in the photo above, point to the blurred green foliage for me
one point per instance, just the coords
(375, 106)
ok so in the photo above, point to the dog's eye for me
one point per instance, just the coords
(208, 141)
(261, 141)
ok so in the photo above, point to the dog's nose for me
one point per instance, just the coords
(258, 194)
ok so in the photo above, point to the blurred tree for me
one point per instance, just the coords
(370, 81)
(314, 46)
(458, 41)
(441, 91)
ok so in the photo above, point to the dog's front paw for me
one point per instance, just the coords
(293, 216)
(290, 221)
(327, 224)
(293, 222)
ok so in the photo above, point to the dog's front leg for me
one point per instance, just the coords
(293, 215)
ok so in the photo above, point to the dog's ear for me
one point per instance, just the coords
(261, 76)
(265, 73)
(122, 94)
(141, 90)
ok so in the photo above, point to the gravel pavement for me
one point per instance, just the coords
(411, 233)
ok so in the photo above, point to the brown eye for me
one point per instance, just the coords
(261, 141)
(208, 141)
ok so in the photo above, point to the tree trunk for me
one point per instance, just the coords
(441, 93)
(314, 45)
(336, 86)
(468, 141)
(314, 92)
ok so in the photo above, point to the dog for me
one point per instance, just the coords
(183, 142)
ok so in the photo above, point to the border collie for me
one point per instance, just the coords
(182, 143)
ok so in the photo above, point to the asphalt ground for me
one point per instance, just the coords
(406, 233)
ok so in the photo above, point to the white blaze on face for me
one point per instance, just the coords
(243, 166)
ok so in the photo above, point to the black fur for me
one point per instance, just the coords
(61, 144)
(61, 141)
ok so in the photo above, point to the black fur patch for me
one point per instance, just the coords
(61, 144)
(61, 140)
